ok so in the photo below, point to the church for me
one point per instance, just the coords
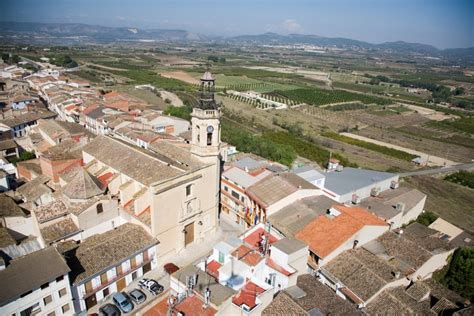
(170, 189)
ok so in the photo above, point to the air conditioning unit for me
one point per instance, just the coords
(375, 191)
(394, 184)
(355, 199)
(400, 207)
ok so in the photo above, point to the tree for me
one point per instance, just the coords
(460, 274)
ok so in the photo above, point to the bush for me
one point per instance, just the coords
(462, 177)
(24, 155)
(426, 218)
(247, 142)
(183, 112)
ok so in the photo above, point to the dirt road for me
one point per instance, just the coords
(432, 160)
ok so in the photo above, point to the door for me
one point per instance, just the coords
(120, 284)
(146, 267)
(188, 234)
(91, 301)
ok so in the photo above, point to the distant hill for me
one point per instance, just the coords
(94, 32)
(65, 33)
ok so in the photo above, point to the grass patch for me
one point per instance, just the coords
(463, 124)
(374, 147)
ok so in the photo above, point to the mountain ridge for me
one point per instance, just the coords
(110, 34)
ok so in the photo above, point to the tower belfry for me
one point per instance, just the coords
(205, 122)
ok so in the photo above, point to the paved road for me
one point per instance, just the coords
(432, 160)
(437, 170)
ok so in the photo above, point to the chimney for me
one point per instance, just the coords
(355, 244)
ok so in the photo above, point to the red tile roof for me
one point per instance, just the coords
(105, 178)
(247, 255)
(325, 234)
(192, 305)
(254, 238)
(248, 295)
(213, 268)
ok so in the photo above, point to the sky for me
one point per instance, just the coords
(442, 23)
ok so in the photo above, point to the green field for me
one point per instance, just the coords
(463, 125)
(319, 97)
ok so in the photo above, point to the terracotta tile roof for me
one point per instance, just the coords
(192, 305)
(247, 255)
(326, 233)
(248, 295)
(213, 268)
(254, 238)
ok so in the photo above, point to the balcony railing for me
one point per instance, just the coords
(117, 277)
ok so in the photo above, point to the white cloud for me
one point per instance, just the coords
(291, 26)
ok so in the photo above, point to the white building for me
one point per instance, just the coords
(106, 263)
(36, 283)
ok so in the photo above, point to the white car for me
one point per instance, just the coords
(150, 286)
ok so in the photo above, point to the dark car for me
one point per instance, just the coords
(123, 302)
(109, 310)
(137, 296)
(150, 286)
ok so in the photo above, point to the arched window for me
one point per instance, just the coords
(99, 208)
(210, 130)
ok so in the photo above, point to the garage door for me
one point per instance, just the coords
(121, 284)
(146, 267)
(91, 301)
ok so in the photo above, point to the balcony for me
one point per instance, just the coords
(117, 277)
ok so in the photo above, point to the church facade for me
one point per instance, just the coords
(172, 190)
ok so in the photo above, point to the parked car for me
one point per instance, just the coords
(137, 296)
(150, 286)
(109, 310)
(123, 302)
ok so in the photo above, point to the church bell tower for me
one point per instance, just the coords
(205, 122)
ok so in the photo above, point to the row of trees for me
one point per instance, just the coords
(322, 97)
(440, 93)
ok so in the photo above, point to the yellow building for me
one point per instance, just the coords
(172, 188)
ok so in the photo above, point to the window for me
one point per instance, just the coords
(189, 189)
(242, 198)
(48, 299)
(221, 257)
(226, 188)
(236, 195)
(134, 275)
(44, 286)
(62, 292)
(106, 292)
(119, 270)
(99, 208)
(65, 308)
(103, 278)
(209, 139)
(60, 278)
(52, 314)
(133, 262)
